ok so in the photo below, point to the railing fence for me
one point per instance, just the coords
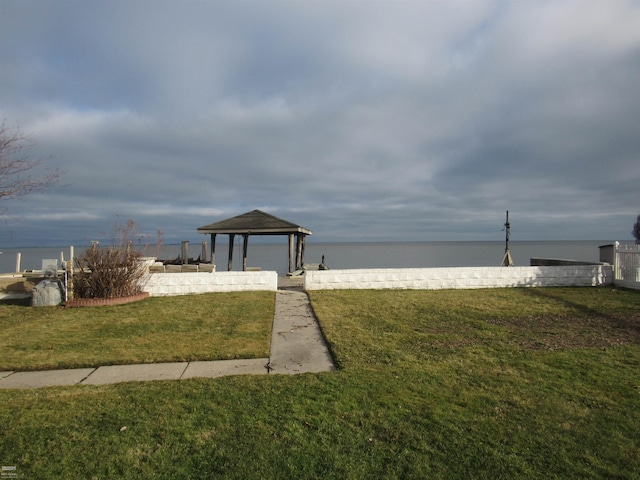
(627, 266)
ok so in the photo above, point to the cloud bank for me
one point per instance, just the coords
(368, 120)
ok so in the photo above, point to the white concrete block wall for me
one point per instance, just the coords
(169, 284)
(459, 277)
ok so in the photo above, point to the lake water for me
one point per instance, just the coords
(274, 256)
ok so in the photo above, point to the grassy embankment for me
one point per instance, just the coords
(513, 383)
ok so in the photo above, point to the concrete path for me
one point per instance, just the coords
(297, 346)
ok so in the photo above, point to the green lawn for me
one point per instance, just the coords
(162, 329)
(512, 383)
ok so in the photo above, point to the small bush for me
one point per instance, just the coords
(113, 271)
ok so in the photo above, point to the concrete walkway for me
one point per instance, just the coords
(297, 346)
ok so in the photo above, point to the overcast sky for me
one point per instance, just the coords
(360, 120)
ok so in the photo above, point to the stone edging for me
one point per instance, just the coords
(105, 302)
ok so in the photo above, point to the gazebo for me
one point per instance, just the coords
(258, 222)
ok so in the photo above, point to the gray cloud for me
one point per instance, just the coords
(358, 120)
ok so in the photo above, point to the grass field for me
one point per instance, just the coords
(512, 383)
(207, 327)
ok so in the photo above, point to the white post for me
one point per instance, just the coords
(70, 273)
(18, 261)
(616, 272)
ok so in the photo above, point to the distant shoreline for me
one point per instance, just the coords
(256, 241)
(350, 255)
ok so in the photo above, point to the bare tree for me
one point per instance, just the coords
(16, 179)
(636, 230)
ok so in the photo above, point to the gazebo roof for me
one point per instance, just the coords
(255, 222)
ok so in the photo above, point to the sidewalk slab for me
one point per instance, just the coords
(221, 368)
(136, 373)
(297, 344)
(46, 378)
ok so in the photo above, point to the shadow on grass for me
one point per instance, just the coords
(18, 302)
(629, 321)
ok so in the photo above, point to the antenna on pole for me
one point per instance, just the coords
(506, 260)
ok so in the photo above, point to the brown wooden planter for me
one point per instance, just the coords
(105, 302)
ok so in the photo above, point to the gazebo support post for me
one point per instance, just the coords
(230, 262)
(245, 245)
(213, 249)
(298, 251)
(291, 254)
(303, 239)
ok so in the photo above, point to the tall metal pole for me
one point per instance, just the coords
(507, 227)
(506, 260)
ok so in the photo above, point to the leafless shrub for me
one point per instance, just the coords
(117, 270)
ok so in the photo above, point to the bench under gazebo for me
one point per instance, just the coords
(258, 222)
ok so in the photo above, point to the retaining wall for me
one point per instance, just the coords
(459, 277)
(169, 284)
